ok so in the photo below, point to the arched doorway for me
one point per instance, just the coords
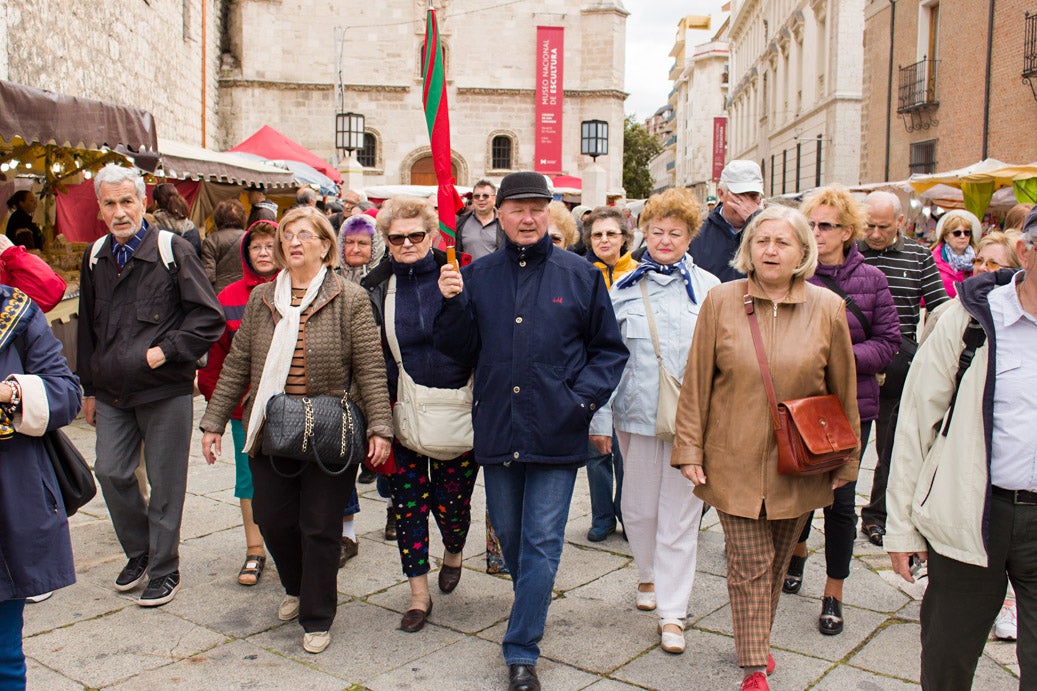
(423, 172)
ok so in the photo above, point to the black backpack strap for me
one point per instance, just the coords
(974, 337)
(850, 304)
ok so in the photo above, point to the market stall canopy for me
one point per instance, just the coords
(186, 162)
(269, 143)
(301, 173)
(979, 181)
(379, 193)
(45, 117)
(567, 184)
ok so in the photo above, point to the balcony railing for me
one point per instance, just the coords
(917, 86)
(1030, 53)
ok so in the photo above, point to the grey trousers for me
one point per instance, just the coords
(164, 429)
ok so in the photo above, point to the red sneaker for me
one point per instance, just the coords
(757, 681)
(771, 664)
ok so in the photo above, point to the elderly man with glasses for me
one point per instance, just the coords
(963, 483)
(478, 230)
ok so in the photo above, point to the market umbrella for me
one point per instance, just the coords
(271, 144)
(979, 181)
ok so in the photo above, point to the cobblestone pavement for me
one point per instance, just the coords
(218, 634)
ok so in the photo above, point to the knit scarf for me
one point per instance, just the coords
(959, 262)
(648, 264)
(282, 347)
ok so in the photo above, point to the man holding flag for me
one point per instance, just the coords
(537, 324)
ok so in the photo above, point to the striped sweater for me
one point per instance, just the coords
(913, 279)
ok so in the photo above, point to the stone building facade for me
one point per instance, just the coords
(795, 93)
(491, 52)
(927, 113)
(159, 55)
(212, 72)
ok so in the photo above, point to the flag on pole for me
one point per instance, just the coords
(437, 118)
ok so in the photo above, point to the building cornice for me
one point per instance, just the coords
(569, 93)
(271, 85)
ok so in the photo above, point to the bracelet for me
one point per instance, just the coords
(16, 393)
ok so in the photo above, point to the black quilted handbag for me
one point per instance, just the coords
(328, 430)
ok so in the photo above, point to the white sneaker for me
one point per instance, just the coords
(646, 601)
(289, 608)
(316, 641)
(1005, 624)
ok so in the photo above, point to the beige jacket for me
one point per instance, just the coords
(723, 416)
(342, 342)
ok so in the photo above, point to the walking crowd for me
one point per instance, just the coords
(672, 355)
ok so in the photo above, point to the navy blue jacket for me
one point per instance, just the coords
(35, 547)
(417, 303)
(715, 246)
(538, 325)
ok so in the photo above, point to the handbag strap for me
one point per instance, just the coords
(389, 321)
(651, 323)
(762, 357)
(850, 304)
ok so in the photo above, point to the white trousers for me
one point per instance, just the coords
(661, 519)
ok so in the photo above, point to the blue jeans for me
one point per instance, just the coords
(12, 659)
(529, 506)
(604, 473)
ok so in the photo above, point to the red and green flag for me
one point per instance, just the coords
(437, 118)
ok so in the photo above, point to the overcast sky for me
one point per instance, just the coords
(651, 29)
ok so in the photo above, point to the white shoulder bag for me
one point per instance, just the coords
(433, 422)
(669, 385)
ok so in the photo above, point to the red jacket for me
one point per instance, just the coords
(233, 298)
(31, 275)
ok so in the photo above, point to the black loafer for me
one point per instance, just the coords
(414, 619)
(794, 577)
(874, 534)
(830, 623)
(523, 678)
(449, 576)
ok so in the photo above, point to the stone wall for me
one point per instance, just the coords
(141, 53)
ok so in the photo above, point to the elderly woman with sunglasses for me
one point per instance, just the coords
(420, 484)
(956, 234)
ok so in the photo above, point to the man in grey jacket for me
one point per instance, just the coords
(143, 324)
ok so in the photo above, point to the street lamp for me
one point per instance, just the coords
(594, 138)
(349, 132)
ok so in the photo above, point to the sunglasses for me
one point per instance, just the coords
(989, 264)
(961, 231)
(825, 226)
(481, 196)
(415, 238)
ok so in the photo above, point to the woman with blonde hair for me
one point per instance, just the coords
(721, 443)
(561, 226)
(656, 306)
(837, 221)
(957, 232)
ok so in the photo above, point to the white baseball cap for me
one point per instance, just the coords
(741, 176)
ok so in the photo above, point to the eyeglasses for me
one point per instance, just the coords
(610, 234)
(259, 249)
(481, 196)
(825, 226)
(961, 231)
(415, 238)
(989, 264)
(303, 235)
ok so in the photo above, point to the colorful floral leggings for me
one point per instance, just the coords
(422, 484)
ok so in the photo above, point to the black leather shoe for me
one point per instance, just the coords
(830, 623)
(874, 533)
(449, 576)
(523, 678)
(794, 577)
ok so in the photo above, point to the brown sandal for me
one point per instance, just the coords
(252, 569)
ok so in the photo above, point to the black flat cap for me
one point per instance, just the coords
(523, 185)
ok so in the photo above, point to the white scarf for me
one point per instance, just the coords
(282, 347)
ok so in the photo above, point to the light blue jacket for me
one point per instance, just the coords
(633, 406)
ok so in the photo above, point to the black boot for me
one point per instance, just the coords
(523, 678)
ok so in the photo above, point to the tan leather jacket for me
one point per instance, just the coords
(723, 417)
(342, 342)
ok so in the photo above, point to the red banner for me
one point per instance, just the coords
(550, 59)
(719, 146)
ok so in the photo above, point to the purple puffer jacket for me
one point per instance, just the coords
(870, 290)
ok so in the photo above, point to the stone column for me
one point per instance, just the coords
(595, 182)
(352, 174)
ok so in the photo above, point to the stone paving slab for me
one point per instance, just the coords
(106, 650)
